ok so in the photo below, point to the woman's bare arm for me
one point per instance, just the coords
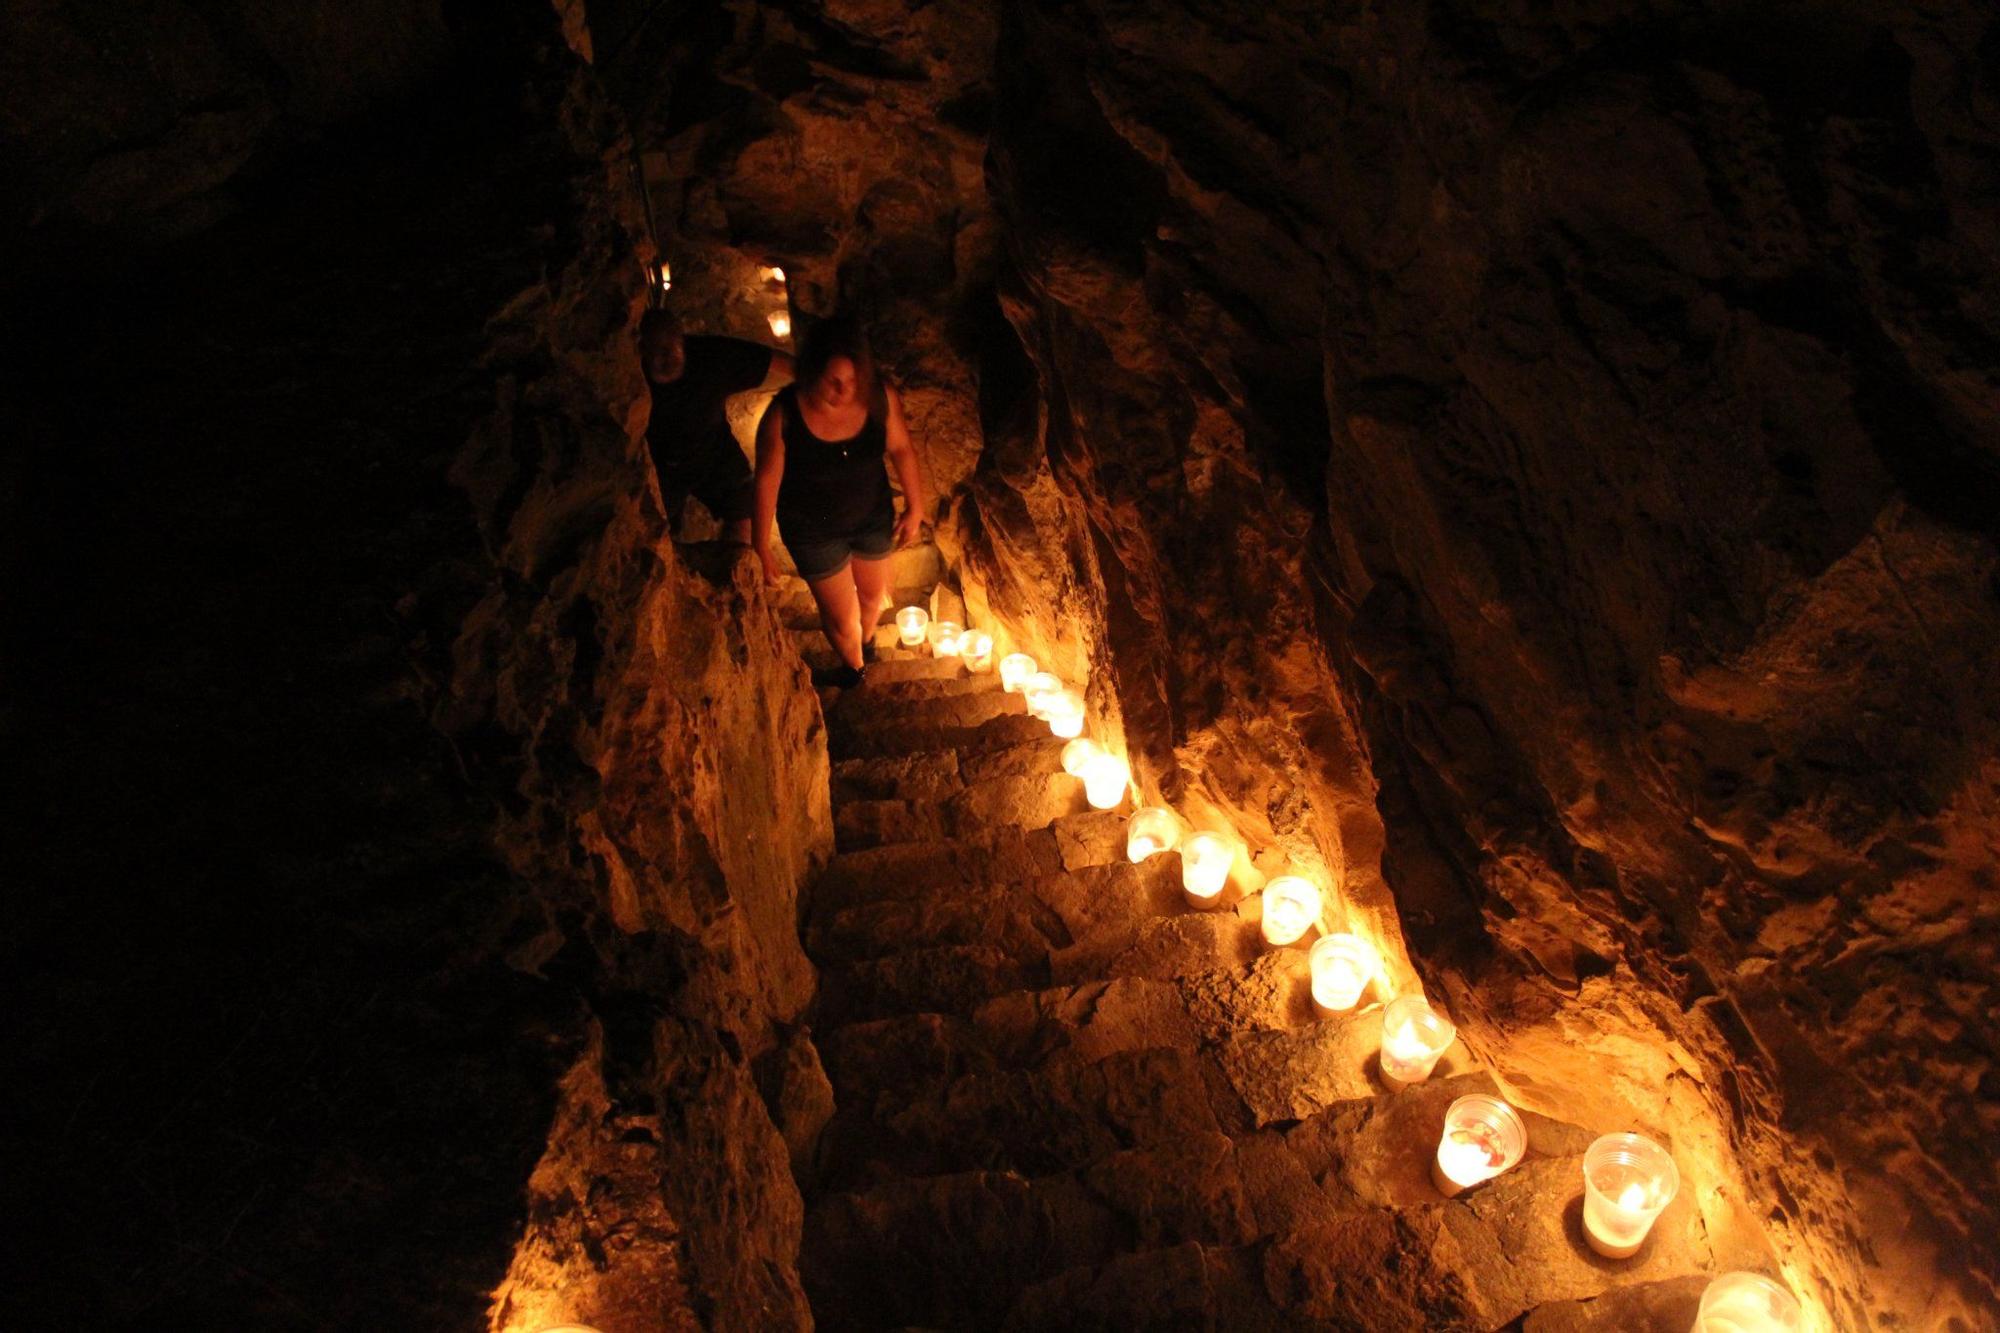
(909, 473)
(770, 471)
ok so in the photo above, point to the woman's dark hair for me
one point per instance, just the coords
(842, 335)
(656, 326)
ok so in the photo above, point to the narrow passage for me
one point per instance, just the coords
(1066, 1099)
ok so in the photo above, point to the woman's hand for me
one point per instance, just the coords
(773, 577)
(909, 528)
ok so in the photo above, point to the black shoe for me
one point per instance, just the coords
(868, 654)
(844, 678)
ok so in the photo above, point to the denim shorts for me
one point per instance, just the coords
(820, 557)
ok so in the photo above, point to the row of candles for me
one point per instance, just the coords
(1628, 1179)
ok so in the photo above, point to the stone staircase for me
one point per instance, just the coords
(1066, 1100)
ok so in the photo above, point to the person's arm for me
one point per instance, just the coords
(764, 505)
(909, 473)
(780, 372)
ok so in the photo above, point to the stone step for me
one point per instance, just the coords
(943, 978)
(1020, 802)
(819, 655)
(861, 724)
(977, 1241)
(1174, 1287)
(1002, 916)
(944, 1251)
(1063, 1114)
(903, 870)
(1003, 728)
(970, 1244)
(796, 608)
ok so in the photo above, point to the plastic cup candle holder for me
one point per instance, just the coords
(910, 624)
(1627, 1180)
(1483, 1137)
(1291, 908)
(1015, 671)
(1040, 690)
(944, 636)
(1414, 1035)
(1342, 967)
(1205, 862)
(1152, 829)
(1077, 754)
(976, 647)
(781, 324)
(1748, 1303)
(1065, 715)
(1105, 778)
(666, 276)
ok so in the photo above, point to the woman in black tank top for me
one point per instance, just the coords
(822, 448)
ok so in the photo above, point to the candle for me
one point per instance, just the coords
(1041, 690)
(976, 647)
(1077, 754)
(1342, 967)
(1748, 1303)
(1205, 862)
(781, 324)
(1291, 907)
(1627, 1180)
(1065, 714)
(1105, 778)
(1015, 669)
(666, 275)
(910, 622)
(772, 274)
(1483, 1136)
(1414, 1035)
(944, 638)
(1151, 829)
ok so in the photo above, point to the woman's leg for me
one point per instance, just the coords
(871, 590)
(840, 613)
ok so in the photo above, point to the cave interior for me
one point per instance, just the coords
(1524, 479)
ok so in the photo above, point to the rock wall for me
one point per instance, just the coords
(1543, 469)
(122, 125)
(663, 778)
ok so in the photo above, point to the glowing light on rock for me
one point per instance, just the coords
(1077, 754)
(1205, 862)
(910, 623)
(1151, 829)
(1414, 1035)
(1627, 1180)
(1291, 907)
(1065, 714)
(1748, 1303)
(976, 647)
(781, 324)
(1041, 690)
(1342, 967)
(1105, 779)
(1483, 1136)
(944, 636)
(1016, 669)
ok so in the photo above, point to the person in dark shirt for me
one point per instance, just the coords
(822, 447)
(692, 379)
